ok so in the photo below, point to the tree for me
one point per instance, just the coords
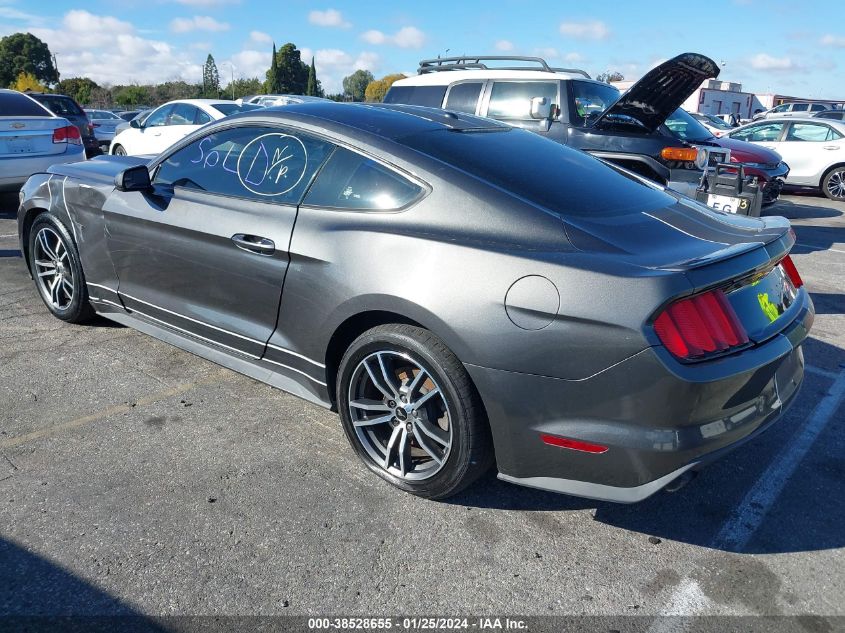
(25, 53)
(270, 84)
(27, 81)
(291, 71)
(377, 89)
(609, 76)
(81, 89)
(210, 79)
(311, 86)
(132, 95)
(244, 87)
(356, 84)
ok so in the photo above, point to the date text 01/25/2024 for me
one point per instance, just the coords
(417, 623)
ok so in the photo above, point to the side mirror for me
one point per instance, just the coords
(541, 108)
(135, 123)
(133, 179)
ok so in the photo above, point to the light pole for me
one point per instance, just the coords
(232, 67)
(56, 66)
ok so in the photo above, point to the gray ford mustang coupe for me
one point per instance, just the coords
(462, 292)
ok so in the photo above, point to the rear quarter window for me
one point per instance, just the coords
(352, 181)
(16, 104)
(431, 96)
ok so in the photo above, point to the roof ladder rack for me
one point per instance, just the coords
(478, 62)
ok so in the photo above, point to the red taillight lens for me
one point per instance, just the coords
(700, 325)
(67, 134)
(575, 445)
(791, 271)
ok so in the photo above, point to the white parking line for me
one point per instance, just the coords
(747, 517)
(819, 247)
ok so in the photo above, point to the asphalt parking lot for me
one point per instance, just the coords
(137, 478)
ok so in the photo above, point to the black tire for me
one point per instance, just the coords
(833, 184)
(118, 150)
(77, 308)
(470, 453)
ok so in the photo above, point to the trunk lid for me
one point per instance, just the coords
(30, 136)
(661, 91)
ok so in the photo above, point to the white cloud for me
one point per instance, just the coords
(574, 57)
(547, 52)
(504, 45)
(833, 40)
(248, 63)
(763, 61)
(260, 37)
(406, 37)
(329, 17)
(334, 64)
(197, 23)
(590, 30)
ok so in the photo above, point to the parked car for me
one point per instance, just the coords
(267, 101)
(104, 123)
(565, 105)
(797, 108)
(764, 164)
(813, 148)
(461, 291)
(714, 124)
(68, 108)
(836, 115)
(169, 123)
(32, 138)
(128, 115)
(140, 115)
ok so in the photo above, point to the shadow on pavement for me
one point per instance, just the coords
(39, 595)
(696, 513)
(828, 303)
(798, 211)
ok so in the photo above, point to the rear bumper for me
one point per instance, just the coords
(657, 417)
(14, 171)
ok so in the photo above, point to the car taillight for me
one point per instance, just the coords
(791, 271)
(67, 134)
(696, 326)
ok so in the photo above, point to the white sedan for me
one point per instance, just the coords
(813, 148)
(169, 123)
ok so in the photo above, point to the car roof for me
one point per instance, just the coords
(383, 120)
(446, 77)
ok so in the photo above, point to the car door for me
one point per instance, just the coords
(205, 252)
(147, 138)
(765, 133)
(181, 121)
(809, 148)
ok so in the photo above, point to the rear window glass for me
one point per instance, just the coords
(431, 96)
(541, 171)
(16, 104)
(233, 108)
(352, 181)
(63, 106)
(463, 97)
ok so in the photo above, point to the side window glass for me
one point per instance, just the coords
(800, 107)
(353, 181)
(431, 96)
(816, 107)
(512, 100)
(463, 97)
(159, 117)
(813, 132)
(767, 133)
(182, 114)
(588, 100)
(201, 118)
(262, 163)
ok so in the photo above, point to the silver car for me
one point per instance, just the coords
(32, 139)
(813, 148)
(104, 123)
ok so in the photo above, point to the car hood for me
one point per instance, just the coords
(744, 152)
(100, 169)
(681, 236)
(662, 90)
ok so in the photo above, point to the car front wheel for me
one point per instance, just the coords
(833, 184)
(118, 150)
(411, 412)
(56, 269)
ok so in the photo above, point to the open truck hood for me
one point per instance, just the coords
(661, 91)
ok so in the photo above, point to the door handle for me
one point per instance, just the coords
(254, 244)
(831, 147)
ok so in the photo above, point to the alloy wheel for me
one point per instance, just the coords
(53, 270)
(836, 184)
(400, 415)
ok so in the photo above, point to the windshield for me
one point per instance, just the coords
(233, 108)
(715, 121)
(684, 127)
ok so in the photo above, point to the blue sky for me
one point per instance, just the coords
(792, 47)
